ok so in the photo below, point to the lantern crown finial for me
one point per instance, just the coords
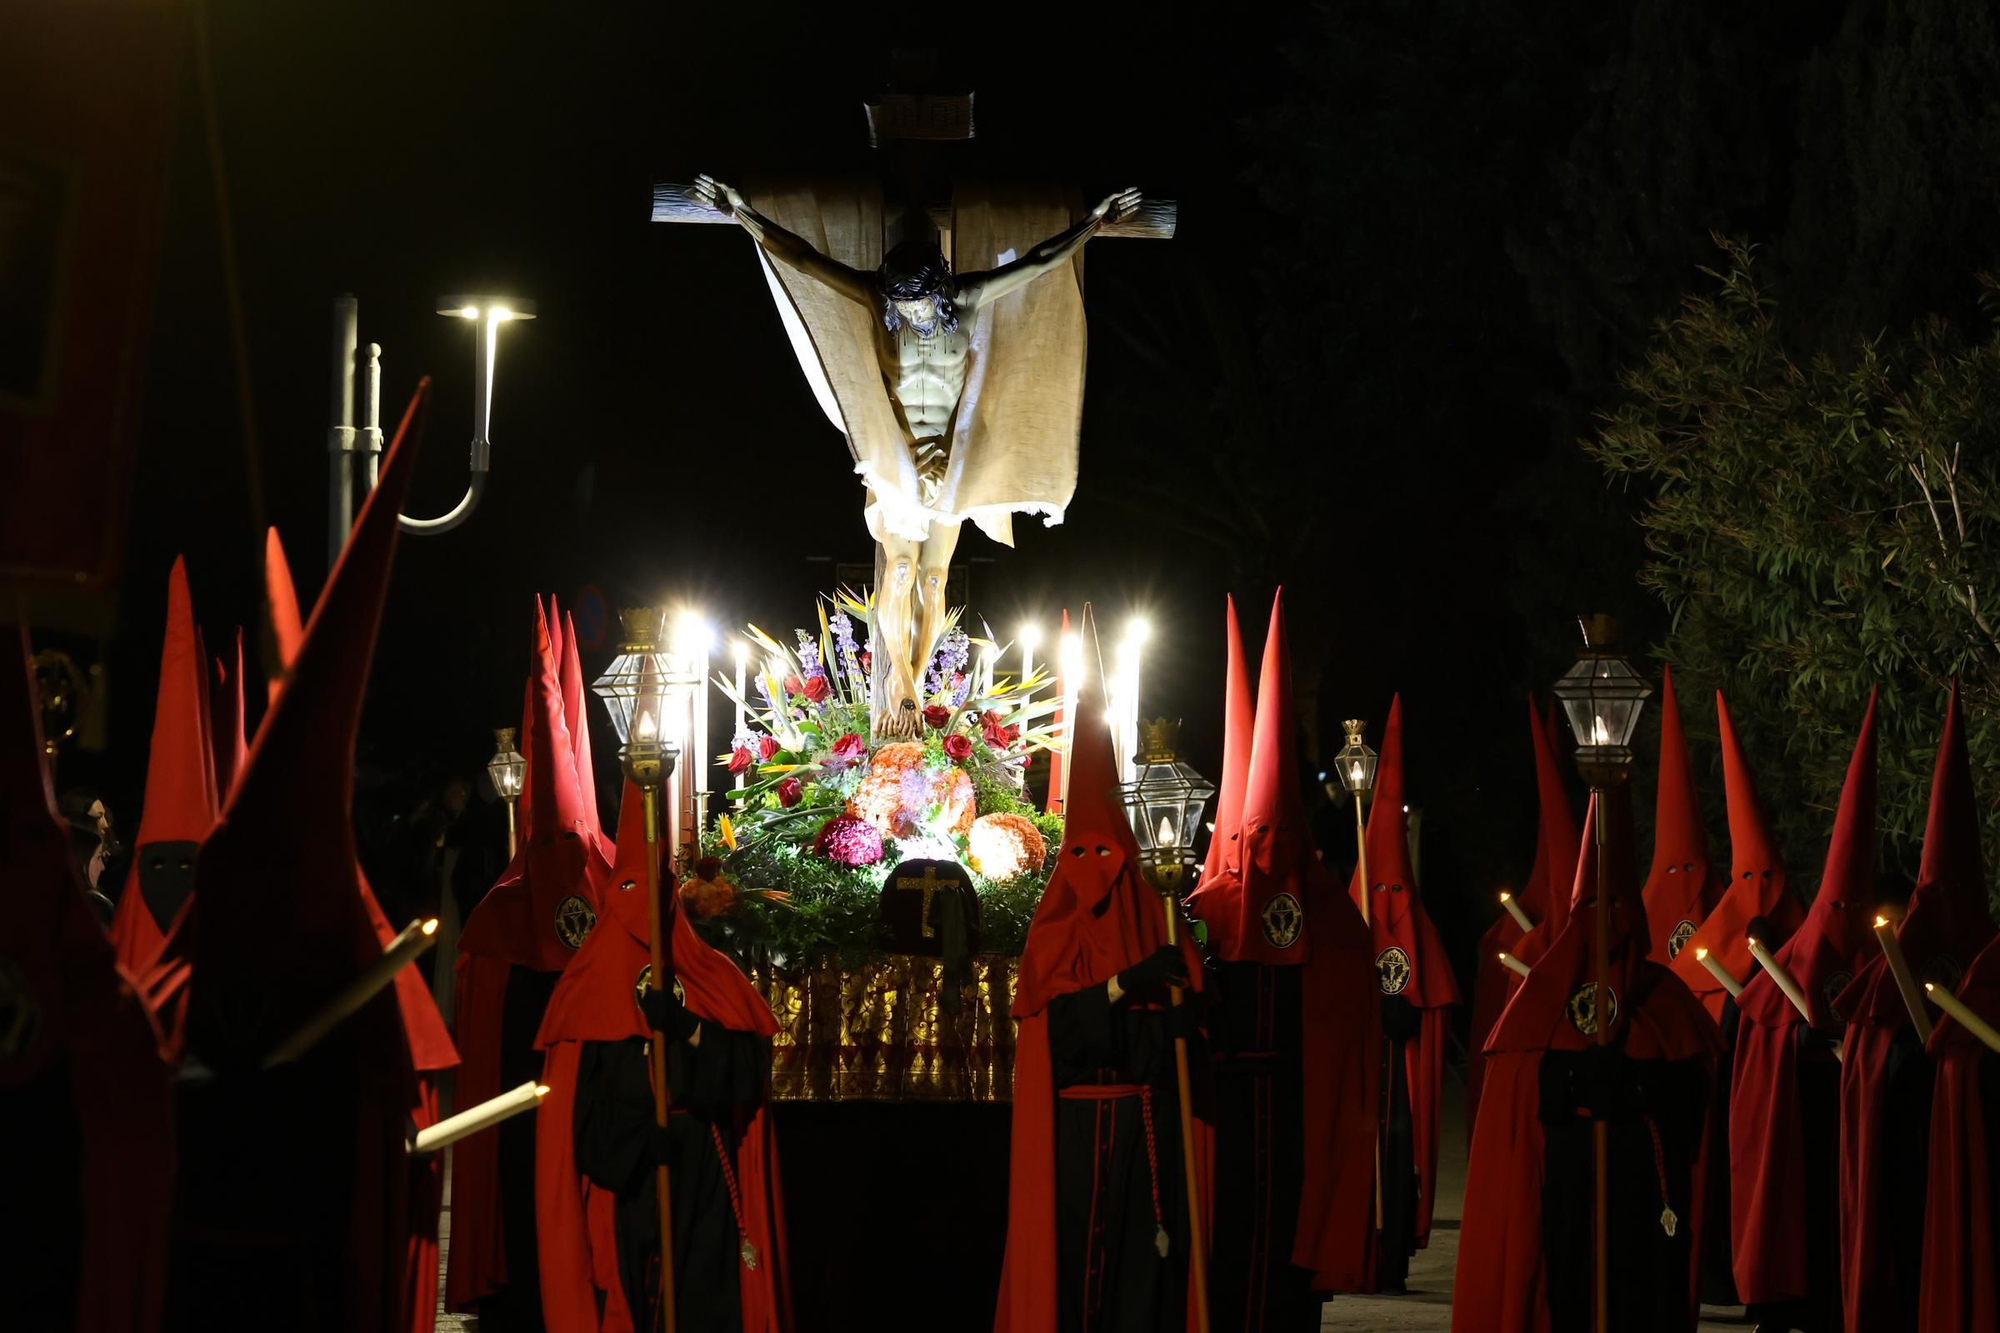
(506, 738)
(1356, 728)
(1600, 631)
(1160, 741)
(643, 626)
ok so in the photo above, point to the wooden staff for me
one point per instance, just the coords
(1899, 968)
(1361, 867)
(656, 980)
(1963, 1012)
(400, 952)
(1600, 1128)
(1197, 1233)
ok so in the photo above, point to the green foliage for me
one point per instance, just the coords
(1817, 527)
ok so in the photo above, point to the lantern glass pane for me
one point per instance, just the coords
(1603, 698)
(1356, 766)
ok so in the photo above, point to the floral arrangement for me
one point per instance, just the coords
(826, 809)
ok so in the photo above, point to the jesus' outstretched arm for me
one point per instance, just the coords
(783, 245)
(975, 289)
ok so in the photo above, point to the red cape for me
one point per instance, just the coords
(1767, 1159)
(1943, 931)
(597, 1000)
(1399, 925)
(60, 974)
(1502, 1279)
(1097, 917)
(1758, 886)
(1961, 1278)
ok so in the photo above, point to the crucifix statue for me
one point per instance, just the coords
(924, 320)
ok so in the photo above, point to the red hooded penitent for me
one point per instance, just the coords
(1097, 917)
(1502, 1285)
(71, 1018)
(1769, 1166)
(1757, 883)
(1961, 1273)
(1410, 960)
(597, 1000)
(1684, 883)
(180, 790)
(1218, 901)
(1943, 931)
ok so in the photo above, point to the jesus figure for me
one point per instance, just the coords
(922, 316)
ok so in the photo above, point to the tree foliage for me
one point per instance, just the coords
(1819, 526)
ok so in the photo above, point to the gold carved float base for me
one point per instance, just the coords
(876, 1032)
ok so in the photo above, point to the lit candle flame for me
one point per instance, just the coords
(431, 926)
(1354, 771)
(1504, 895)
(1881, 921)
(647, 728)
(541, 1090)
(1599, 733)
(1166, 835)
(1700, 954)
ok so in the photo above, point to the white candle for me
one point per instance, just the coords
(1031, 638)
(1514, 910)
(1961, 1011)
(1718, 971)
(401, 951)
(1899, 968)
(483, 1116)
(742, 651)
(1783, 978)
(1513, 963)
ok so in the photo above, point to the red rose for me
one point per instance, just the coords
(867, 660)
(957, 747)
(793, 685)
(998, 737)
(789, 792)
(817, 688)
(936, 715)
(990, 718)
(740, 759)
(850, 746)
(767, 747)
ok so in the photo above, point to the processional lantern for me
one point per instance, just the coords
(1356, 762)
(649, 691)
(508, 770)
(1164, 801)
(1602, 696)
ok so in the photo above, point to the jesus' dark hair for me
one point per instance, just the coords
(912, 271)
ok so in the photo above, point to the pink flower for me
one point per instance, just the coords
(850, 746)
(936, 715)
(957, 747)
(789, 792)
(867, 660)
(740, 758)
(793, 685)
(816, 689)
(849, 840)
(767, 746)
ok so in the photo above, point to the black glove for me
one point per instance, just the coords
(1184, 1019)
(665, 1013)
(1164, 966)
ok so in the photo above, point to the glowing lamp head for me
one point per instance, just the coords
(1356, 762)
(496, 308)
(508, 768)
(1602, 696)
(1030, 637)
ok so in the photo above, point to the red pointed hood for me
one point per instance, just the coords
(1053, 803)
(1238, 736)
(575, 718)
(1097, 915)
(1757, 883)
(225, 711)
(180, 796)
(540, 910)
(1256, 903)
(1409, 956)
(264, 959)
(1543, 1013)
(283, 601)
(1826, 953)
(1684, 883)
(1947, 923)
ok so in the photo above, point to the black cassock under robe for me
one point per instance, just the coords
(615, 1137)
(1114, 1072)
(1259, 1152)
(1657, 1110)
(1402, 1023)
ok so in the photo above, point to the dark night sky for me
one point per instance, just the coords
(653, 435)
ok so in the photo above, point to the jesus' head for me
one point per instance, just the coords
(917, 289)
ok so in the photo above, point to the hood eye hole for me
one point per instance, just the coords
(1104, 851)
(1076, 851)
(1673, 870)
(1688, 866)
(628, 886)
(159, 863)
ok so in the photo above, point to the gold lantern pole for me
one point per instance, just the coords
(508, 770)
(1356, 763)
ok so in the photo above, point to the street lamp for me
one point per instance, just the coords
(352, 362)
(1164, 800)
(1603, 697)
(634, 690)
(508, 770)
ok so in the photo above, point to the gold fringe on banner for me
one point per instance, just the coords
(876, 1032)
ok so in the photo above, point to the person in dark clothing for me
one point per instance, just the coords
(711, 1071)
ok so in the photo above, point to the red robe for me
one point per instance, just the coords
(1961, 1273)
(597, 1000)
